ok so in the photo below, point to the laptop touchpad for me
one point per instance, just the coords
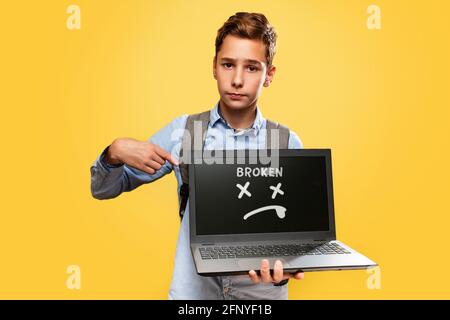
(255, 264)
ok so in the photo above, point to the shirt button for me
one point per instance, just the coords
(225, 290)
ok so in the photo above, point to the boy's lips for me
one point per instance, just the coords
(235, 96)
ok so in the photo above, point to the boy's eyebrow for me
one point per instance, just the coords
(246, 60)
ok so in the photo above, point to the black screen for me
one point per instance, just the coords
(290, 198)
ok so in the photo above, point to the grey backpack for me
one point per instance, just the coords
(204, 118)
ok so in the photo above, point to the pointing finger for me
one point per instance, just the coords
(166, 155)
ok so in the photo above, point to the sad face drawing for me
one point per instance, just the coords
(276, 190)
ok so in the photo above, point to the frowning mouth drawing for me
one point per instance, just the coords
(280, 210)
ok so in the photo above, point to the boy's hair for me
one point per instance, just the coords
(254, 26)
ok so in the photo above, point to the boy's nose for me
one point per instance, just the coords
(237, 81)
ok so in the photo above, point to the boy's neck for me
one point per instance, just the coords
(238, 119)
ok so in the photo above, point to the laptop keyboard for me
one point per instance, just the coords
(233, 252)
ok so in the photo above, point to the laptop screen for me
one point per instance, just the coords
(255, 198)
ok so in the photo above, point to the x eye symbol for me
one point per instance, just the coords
(276, 190)
(244, 190)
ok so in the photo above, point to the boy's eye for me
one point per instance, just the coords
(251, 68)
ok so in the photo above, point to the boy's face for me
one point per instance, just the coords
(241, 67)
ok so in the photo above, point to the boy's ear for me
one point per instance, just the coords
(214, 67)
(270, 75)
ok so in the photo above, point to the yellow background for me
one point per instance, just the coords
(378, 98)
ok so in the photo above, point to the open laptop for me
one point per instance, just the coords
(243, 210)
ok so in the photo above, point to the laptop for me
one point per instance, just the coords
(249, 205)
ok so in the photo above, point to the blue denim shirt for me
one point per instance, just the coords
(109, 181)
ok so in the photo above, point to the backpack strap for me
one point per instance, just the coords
(282, 135)
(188, 145)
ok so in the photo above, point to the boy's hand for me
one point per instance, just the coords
(141, 155)
(278, 274)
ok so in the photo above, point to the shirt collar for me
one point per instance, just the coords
(215, 116)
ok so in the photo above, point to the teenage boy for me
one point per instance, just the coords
(242, 65)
